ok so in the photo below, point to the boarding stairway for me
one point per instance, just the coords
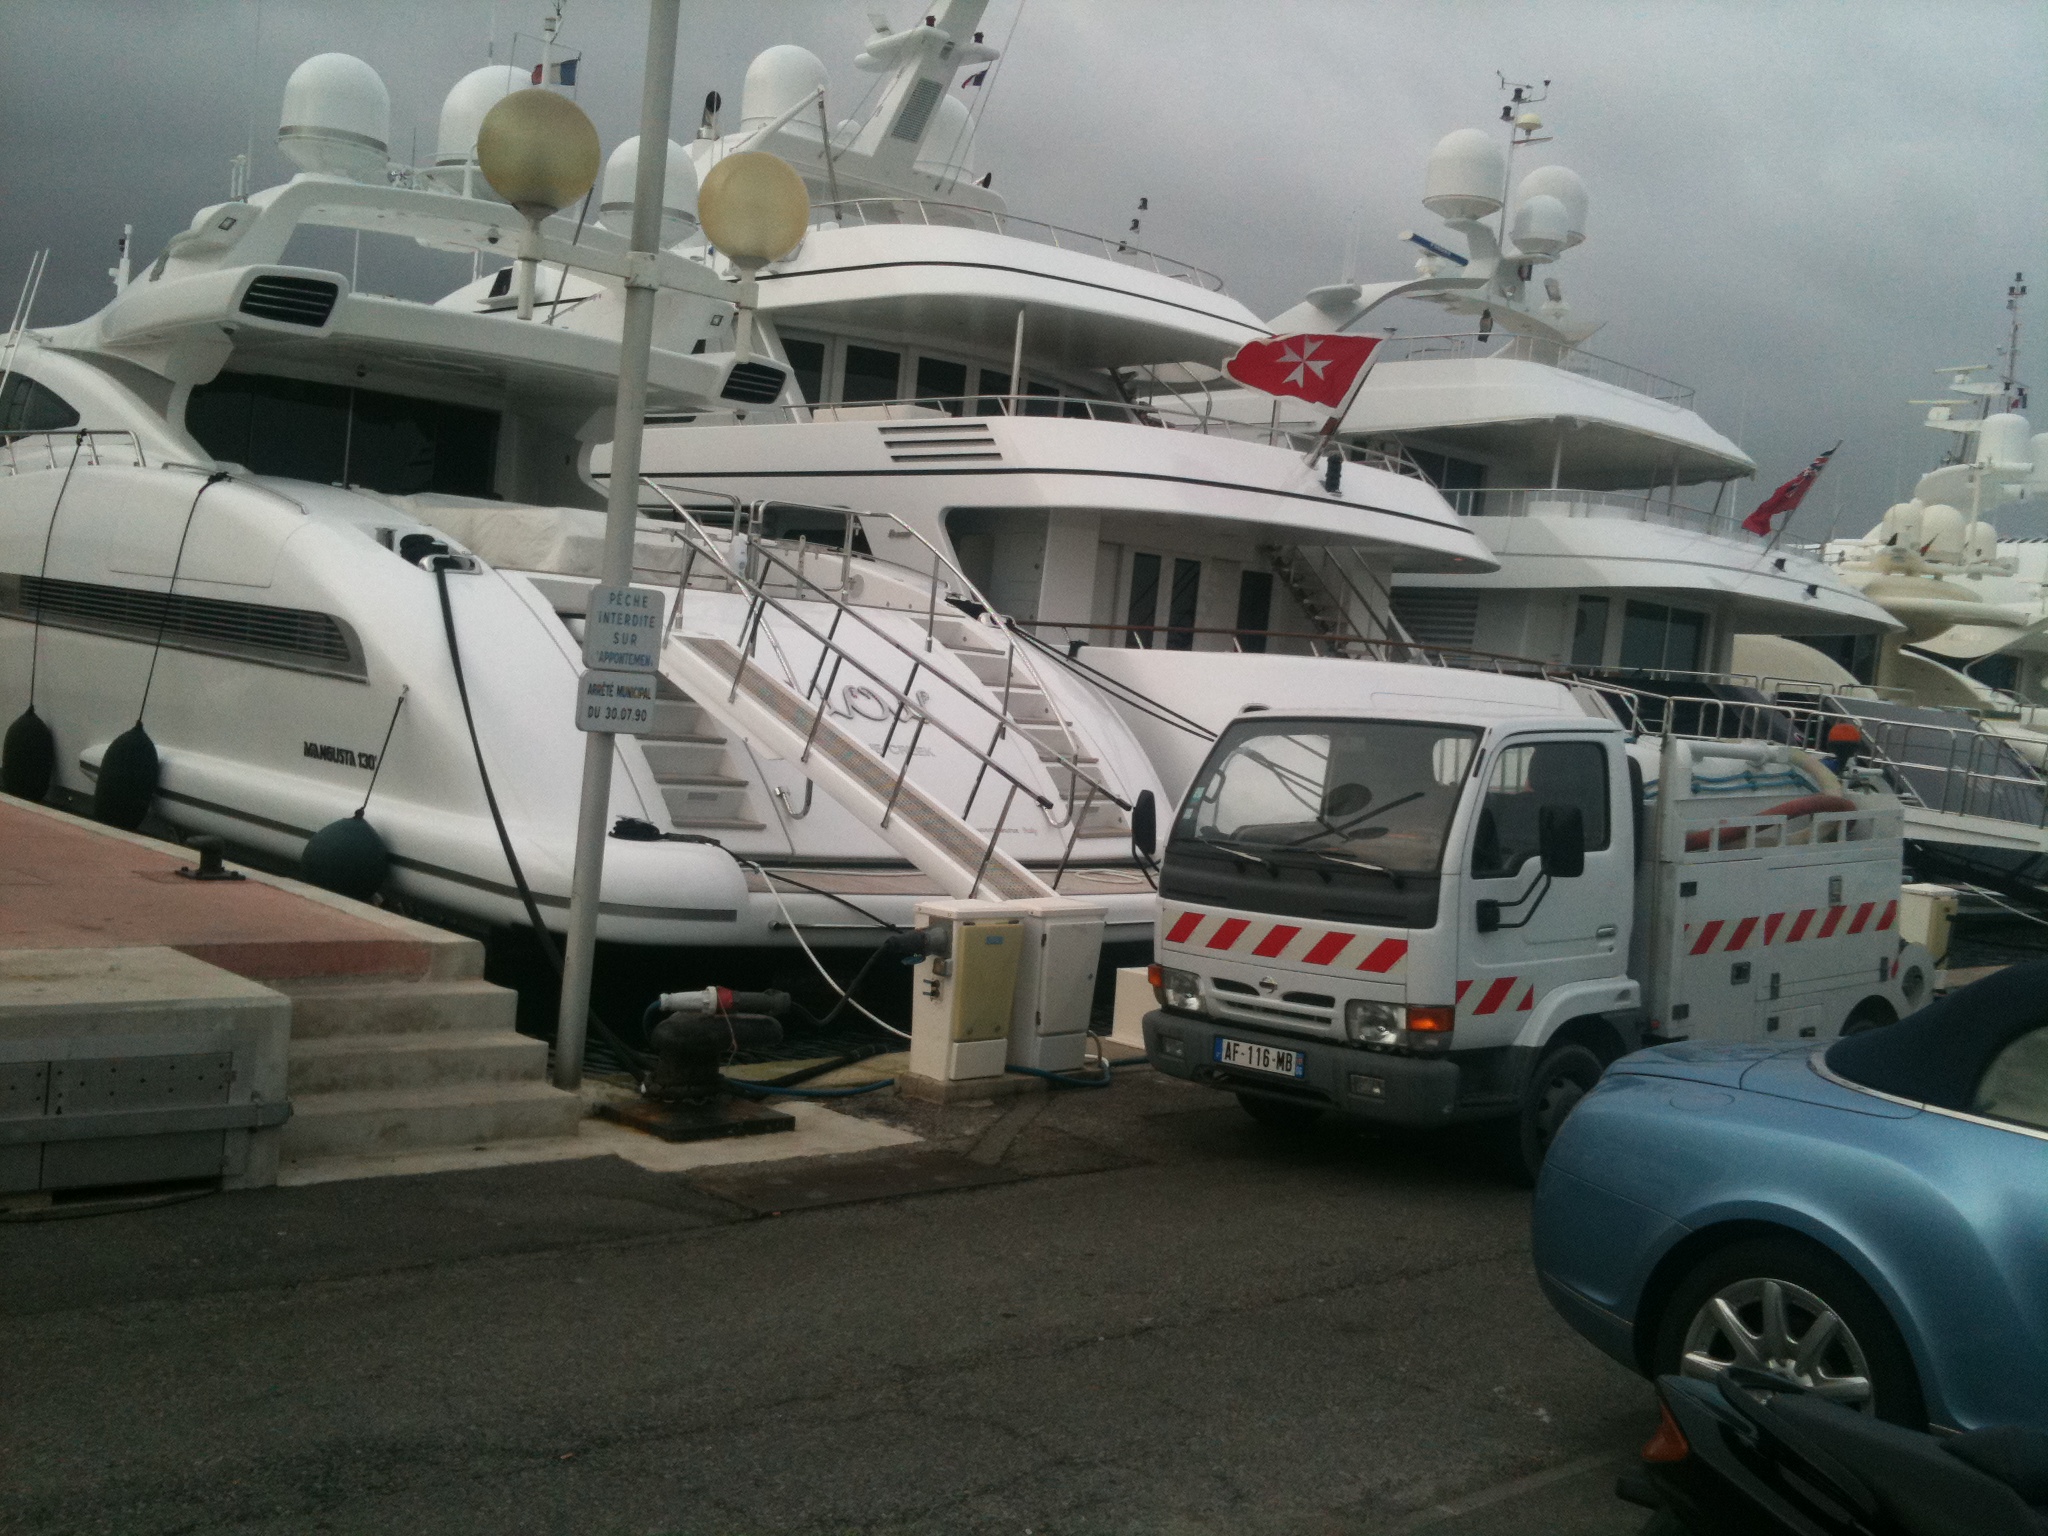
(717, 689)
(1334, 588)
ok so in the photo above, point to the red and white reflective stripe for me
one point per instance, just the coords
(1238, 935)
(1498, 990)
(1731, 934)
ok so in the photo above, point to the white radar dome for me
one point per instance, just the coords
(1555, 181)
(1466, 176)
(1902, 524)
(2002, 440)
(336, 118)
(946, 142)
(1943, 531)
(777, 80)
(1540, 227)
(678, 191)
(1982, 545)
(462, 114)
(2040, 453)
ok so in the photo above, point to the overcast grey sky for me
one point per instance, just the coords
(1801, 207)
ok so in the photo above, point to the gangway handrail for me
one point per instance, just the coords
(761, 601)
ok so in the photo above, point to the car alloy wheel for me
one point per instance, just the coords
(1784, 1330)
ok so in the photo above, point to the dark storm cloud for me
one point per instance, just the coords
(1801, 208)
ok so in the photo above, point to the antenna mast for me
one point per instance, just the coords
(2015, 392)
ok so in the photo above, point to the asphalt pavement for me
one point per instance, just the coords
(1109, 1312)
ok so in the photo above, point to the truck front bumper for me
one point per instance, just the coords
(1366, 1085)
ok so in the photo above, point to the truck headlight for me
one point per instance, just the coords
(1392, 1027)
(1369, 1023)
(1176, 989)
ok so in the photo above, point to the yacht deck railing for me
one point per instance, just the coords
(1530, 349)
(1630, 506)
(918, 210)
(24, 453)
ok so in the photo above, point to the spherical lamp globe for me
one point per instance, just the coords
(538, 151)
(753, 208)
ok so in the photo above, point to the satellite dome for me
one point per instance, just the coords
(1467, 174)
(1555, 181)
(336, 118)
(462, 114)
(1541, 226)
(1982, 544)
(777, 80)
(678, 191)
(2002, 440)
(1903, 524)
(947, 141)
(1943, 530)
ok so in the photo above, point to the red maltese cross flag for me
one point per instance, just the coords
(1322, 369)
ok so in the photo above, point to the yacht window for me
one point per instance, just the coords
(1180, 607)
(1254, 609)
(27, 406)
(941, 383)
(1144, 601)
(806, 366)
(1589, 632)
(334, 435)
(871, 374)
(1655, 638)
(995, 385)
(1044, 398)
(1458, 479)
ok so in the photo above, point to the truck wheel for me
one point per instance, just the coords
(1562, 1077)
(1278, 1114)
(1789, 1307)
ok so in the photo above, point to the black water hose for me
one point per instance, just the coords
(632, 1058)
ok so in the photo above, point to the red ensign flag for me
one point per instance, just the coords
(1321, 369)
(1786, 498)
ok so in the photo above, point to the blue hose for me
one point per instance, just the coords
(1063, 1080)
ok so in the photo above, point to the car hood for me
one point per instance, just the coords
(1723, 1064)
(1782, 1071)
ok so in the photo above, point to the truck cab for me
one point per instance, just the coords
(1421, 914)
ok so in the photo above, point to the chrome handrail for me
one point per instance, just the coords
(84, 441)
(1651, 506)
(1530, 349)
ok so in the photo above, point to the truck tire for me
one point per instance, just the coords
(1279, 1115)
(1693, 1333)
(1562, 1076)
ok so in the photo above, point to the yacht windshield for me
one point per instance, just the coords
(1379, 793)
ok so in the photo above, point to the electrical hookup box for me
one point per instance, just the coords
(1011, 983)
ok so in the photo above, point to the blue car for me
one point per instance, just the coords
(1869, 1218)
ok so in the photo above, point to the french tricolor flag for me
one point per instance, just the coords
(561, 73)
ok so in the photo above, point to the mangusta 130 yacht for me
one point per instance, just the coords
(328, 547)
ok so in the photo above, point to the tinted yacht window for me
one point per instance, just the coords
(335, 435)
(26, 406)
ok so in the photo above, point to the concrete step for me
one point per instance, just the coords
(325, 1009)
(685, 757)
(373, 1063)
(382, 1122)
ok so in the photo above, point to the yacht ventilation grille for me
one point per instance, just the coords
(295, 638)
(930, 442)
(753, 384)
(917, 110)
(303, 301)
(1442, 616)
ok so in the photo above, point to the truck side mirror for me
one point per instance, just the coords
(1561, 841)
(1144, 824)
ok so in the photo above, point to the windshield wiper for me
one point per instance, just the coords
(1232, 848)
(1345, 858)
(1353, 827)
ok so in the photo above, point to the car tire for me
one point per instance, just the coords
(1562, 1076)
(1279, 1115)
(1871, 1013)
(1863, 1341)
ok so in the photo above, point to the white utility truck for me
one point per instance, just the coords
(1460, 903)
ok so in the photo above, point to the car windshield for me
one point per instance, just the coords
(1376, 793)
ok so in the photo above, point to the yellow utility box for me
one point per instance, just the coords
(965, 989)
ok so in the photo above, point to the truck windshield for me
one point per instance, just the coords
(1322, 818)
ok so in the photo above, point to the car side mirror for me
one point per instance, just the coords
(1144, 824)
(1561, 841)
